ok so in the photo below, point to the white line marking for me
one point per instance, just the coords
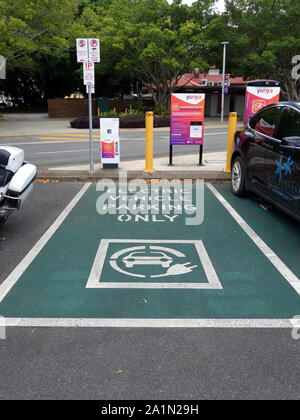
(112, 285)
(32, 143)
(12, 279)
(94, 281)
(148, 323)
(64, 151)
(290, 277)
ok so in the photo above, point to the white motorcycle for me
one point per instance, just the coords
(16, 180)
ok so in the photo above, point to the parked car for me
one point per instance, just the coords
(266, 157)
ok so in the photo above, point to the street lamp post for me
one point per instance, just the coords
(223, 81)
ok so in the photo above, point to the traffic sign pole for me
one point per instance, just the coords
(88, 52)
(92, 169)
(2, 67)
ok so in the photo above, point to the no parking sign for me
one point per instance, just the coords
(82, 50)
(94, 50)
(89, 74)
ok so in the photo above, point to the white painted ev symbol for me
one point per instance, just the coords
(155, 256)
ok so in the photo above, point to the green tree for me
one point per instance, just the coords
(155, 41)
(37, 38)
(27, 26)
(264, 36)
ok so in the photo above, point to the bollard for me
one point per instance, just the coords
(149, 142)
(231, 131)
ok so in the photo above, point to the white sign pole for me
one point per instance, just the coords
(223, 79)
(2, 67)
(88, 52)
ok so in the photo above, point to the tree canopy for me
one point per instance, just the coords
(155, 41)
(264, 36)
(151, 41)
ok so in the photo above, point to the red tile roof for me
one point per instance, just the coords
(188, 79)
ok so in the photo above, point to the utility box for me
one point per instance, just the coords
(110, 142)
(103, 104)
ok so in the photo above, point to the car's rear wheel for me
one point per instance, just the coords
(238, 177)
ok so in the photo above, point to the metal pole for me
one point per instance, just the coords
(223, 80)
(171, 155)
(91, 129)
(200, 155)
(231, 132)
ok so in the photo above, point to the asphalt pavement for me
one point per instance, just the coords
(146, 363)
(67, 347)
(73, 148)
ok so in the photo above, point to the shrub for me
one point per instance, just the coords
(83, 122)
(161, 111)
(109, 114)
(130, 112)
(127, 121)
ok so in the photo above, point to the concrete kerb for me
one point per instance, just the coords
(184, 167)
(84, 176)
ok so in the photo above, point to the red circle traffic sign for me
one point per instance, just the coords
(94, 43)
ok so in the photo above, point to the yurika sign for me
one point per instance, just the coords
(259, 94)
(187, 119)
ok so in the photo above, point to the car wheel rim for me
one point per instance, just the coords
(236, 176)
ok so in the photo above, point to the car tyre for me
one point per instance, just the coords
(238, 184)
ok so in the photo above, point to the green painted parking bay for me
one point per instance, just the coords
(105, 267)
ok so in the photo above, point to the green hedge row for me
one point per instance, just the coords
(130, 121)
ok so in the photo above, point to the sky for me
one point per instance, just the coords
(220, 3)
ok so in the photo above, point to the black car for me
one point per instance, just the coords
(266, 158)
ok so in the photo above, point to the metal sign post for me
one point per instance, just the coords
(2, 67)
(88, 53)
(89, 81)
(92, 168)
(223, 80)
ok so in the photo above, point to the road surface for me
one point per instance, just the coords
(217, 328)
(60, 149)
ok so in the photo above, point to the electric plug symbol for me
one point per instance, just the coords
(178, 269)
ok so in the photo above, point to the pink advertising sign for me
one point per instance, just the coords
(187, 118)
(258, 97)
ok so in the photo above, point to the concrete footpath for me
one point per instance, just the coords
(40, 124)
(184, 166)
